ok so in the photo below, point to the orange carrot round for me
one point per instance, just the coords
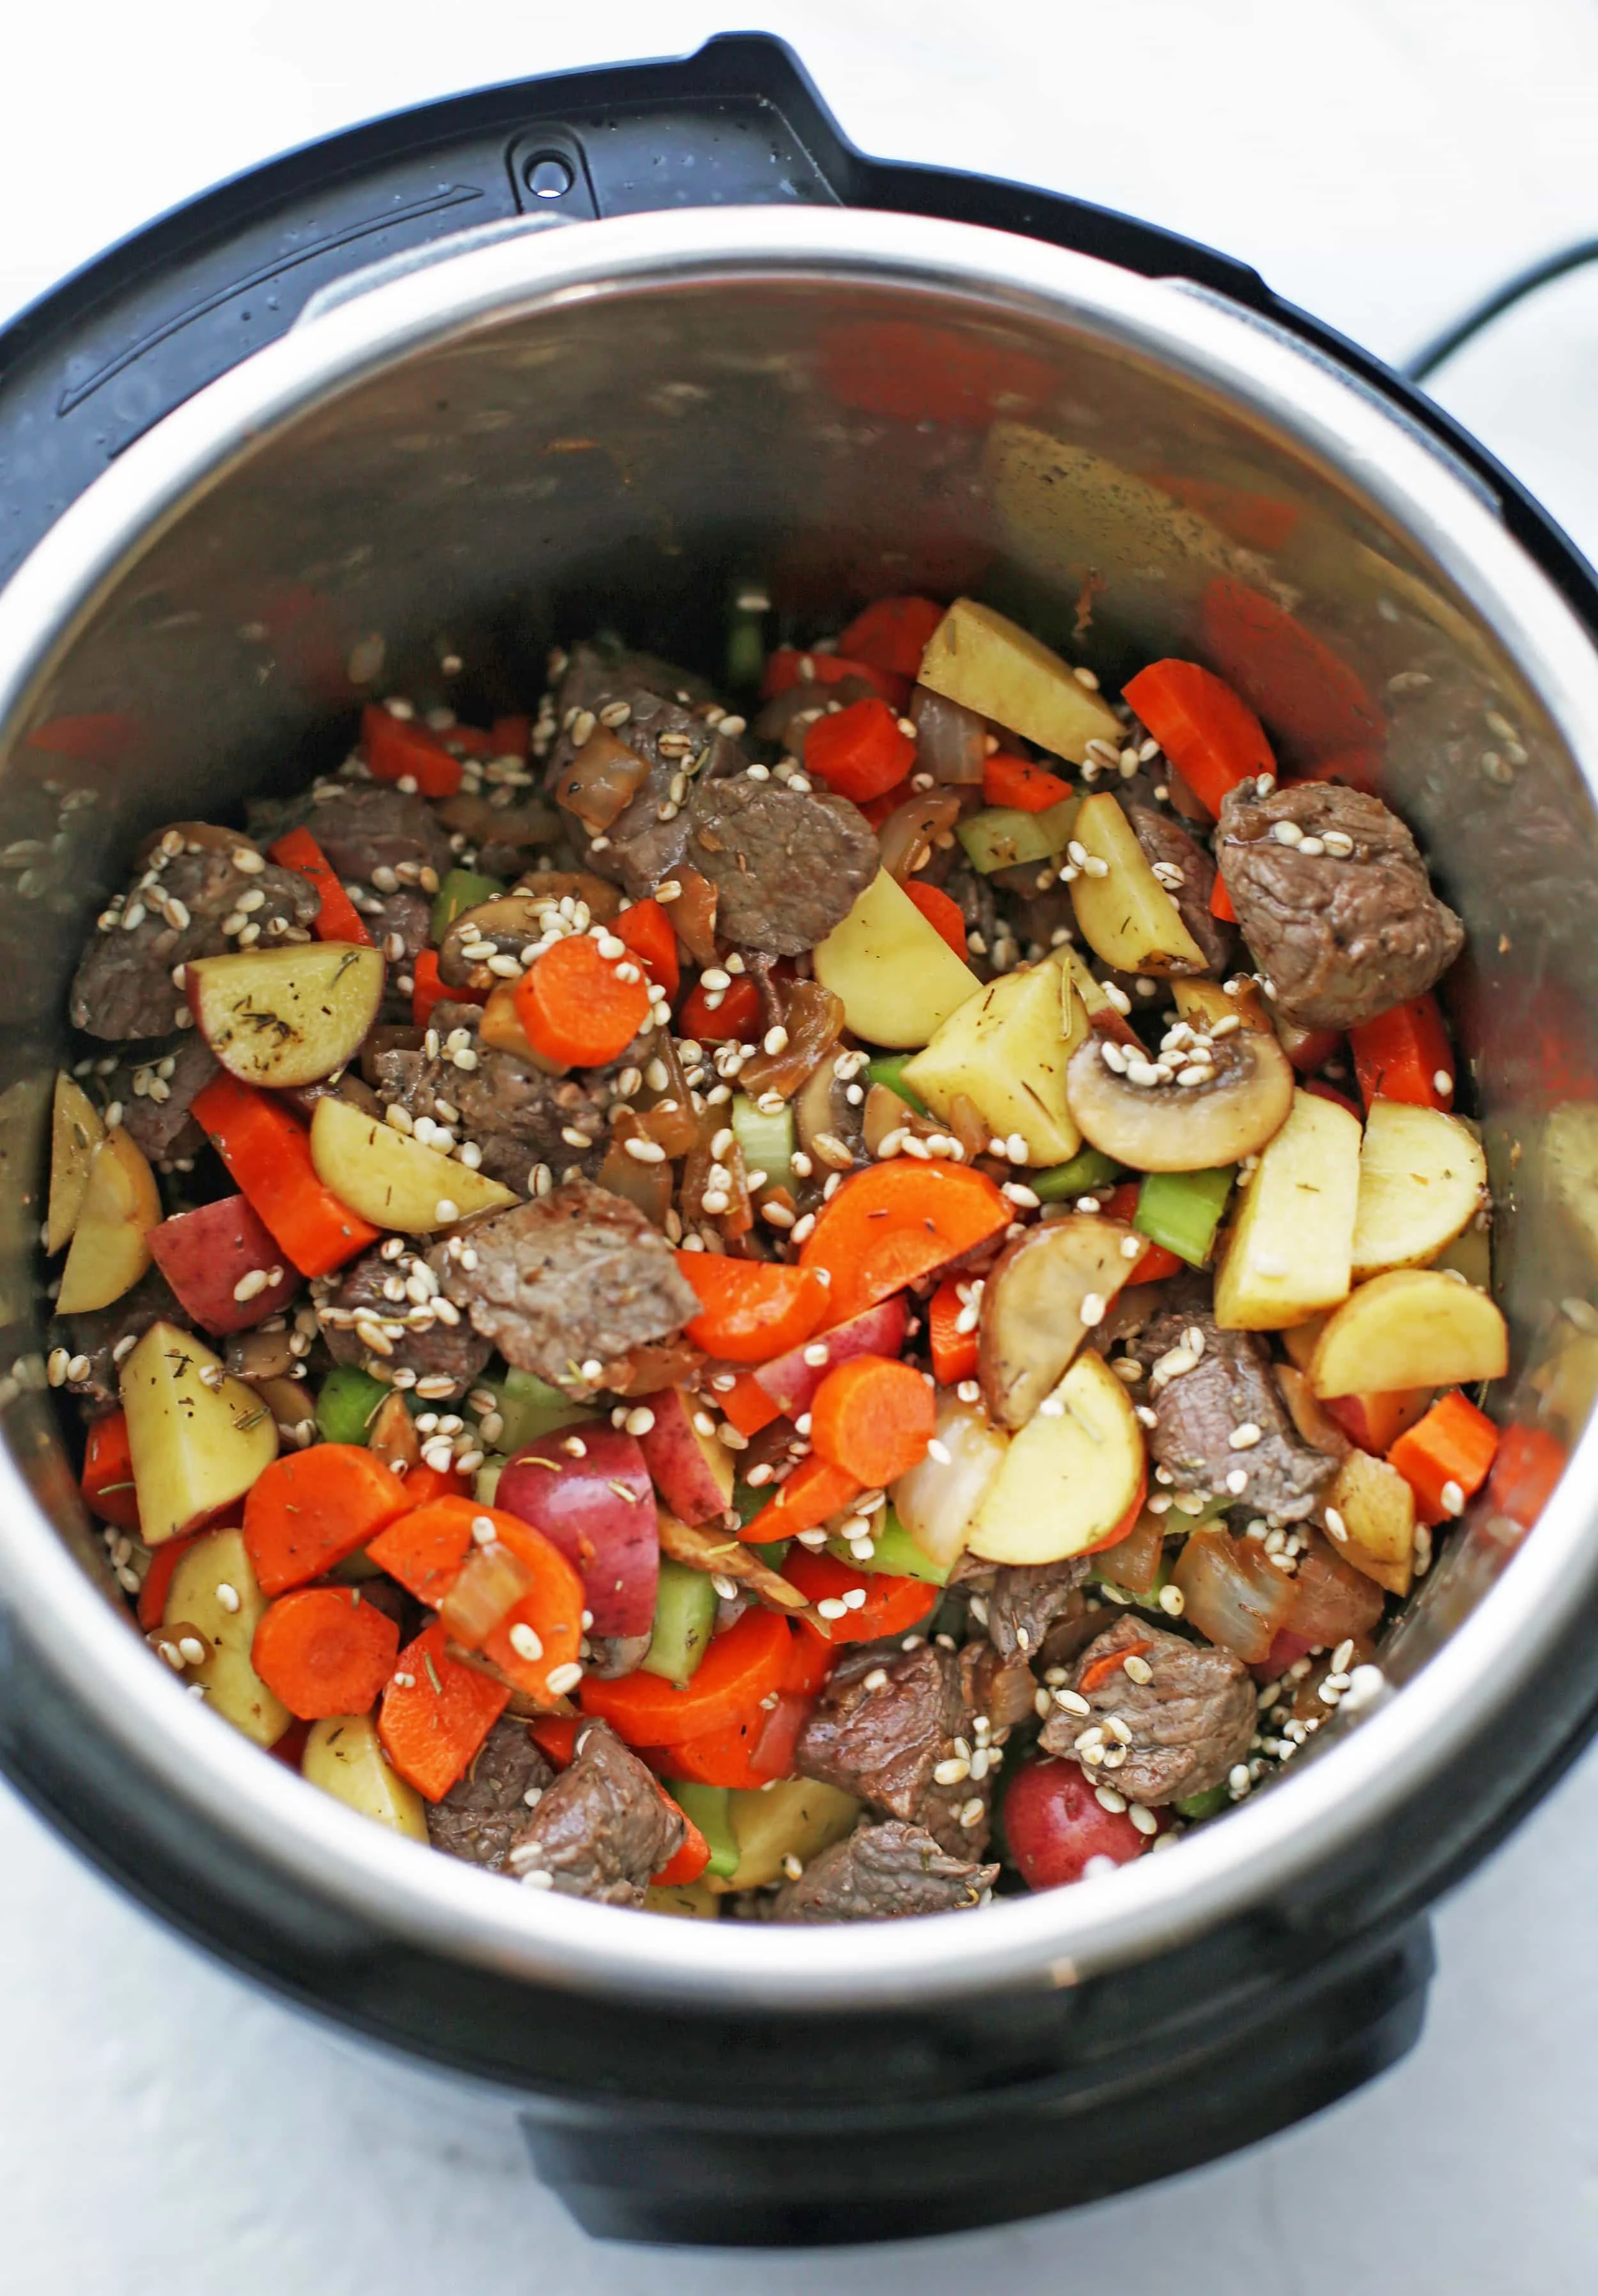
(323, 1651)
(1204, 726)
(891, 1606)
(751, 1310)
(941, 914)
(859, 752)
(436, 1713)
(893, 634)
(895, 1222)
(1012, 781)
(647, 929)
(575, 1005)
(736, 1019)
(815, 1490)
(310, 1509)
(953, 1351)
(873, 1417)
(741, 1666)
(398, 750)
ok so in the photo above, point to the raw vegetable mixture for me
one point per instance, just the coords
(811, 1313)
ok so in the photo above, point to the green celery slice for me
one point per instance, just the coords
(1002, 837)
(685, 1613)
(897, 1553)
(462, 889)
(707, 1806)
(347, 1403)
(1089, 1168)
(766, 1140)
(1182, 1211)
(888, 1068)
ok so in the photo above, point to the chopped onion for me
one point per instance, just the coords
(951, 740)
(937, 1502)
(813, 1018)
(909, 829)
(693, 913)
(647, 1185)
(490, 1580)
(1235, 1593)
(1134, 1561)
(1330, 1599)
(601, 780)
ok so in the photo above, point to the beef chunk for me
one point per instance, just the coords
(881, 1873)
(576, 1276)
(123, 986)
(419, 1339)
(480, 1816)
(881, 1727)
(1189, 1723)
(786, 867)
(97, 1334)
(1189, 875)
(1230, 1387)
(603, 1829)
(360, 827)
(156, 1117)
(1342, 934)
(518, 1115)
(1025, 1599)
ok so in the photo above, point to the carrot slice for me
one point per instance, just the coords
(1206, 730)
(787, 667)
(108, 1474)
(647, 929)
(690, 1858)
(894, 1223)
(269, 1154)
(1157, 1262)
(953, 1351)
(398, 750)
(310, 1509)
(157, 1579)
(555, 1735)
(1445, 1458)
(720, 1758)
(428, 989)
(860, 752)
(323, 1651)
(424, 1548)
(873, 1416)
(941, 914)
(436, 1713)
(734, 1018)
(891, 1606)
(814, 1491)
(1220, 902)
(893, 634)
(337, 918)
(751, 1310)
(1016, 782)
(1529, 1464)
(1404, 1055)
(747, 1405)
(575, 1005)
(810, 1665)
(741, 1666)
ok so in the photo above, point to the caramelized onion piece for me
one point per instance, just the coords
(951, 740)
(647, 1185)
(692, 914)
(601, 780)
(1235, 1594)
(907, 835)
(490, 1580)
(813, 1018)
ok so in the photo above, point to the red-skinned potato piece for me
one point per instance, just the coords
(792, 1380)
(693, 1473)
(205, 1256)
(598, 1507)
(1054, 1825)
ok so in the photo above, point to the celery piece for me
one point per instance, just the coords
(767, 1141)
(531, 1409)
(1182, 1211)
(462, 889)
(706, 1806)
(746, 656)
(685, 1613)
(1002, 836)
(888, 1068)
(897, 1554)
(749, 1501)
(1088, 1170)
(1057, 821)
(347, 1402)
(1208, 1804)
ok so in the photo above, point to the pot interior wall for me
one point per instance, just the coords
(634, 458)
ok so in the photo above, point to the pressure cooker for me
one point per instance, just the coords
(615, 349)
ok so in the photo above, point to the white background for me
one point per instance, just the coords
(162, 2128)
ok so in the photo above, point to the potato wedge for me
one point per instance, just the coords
(937, 1504)
(344, 1755)
(900, 980)
(76, 1131)
(981, 658)
(197, 1444)
(1126, 916)
(393, 1180)
(1005, 1050)
(799, 1818)
(1290, 1250)
(1069, 1477)
(1412, 1327)
(1376, 1508)
(693, 1901)
(1206, 1002)
(214, 1587)
(111, 1237)
(1422, 1177)
(285, 1016)
(1032, 1320)
(1174, 1127)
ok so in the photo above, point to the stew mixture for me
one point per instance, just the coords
(812, 1314)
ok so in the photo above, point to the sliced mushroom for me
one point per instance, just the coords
(830, 1126)
(1132, 1109)
(1033, 1317)
(508, 924)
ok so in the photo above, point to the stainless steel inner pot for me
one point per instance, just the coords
(617, 421)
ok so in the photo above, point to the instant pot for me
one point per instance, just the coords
(624, 347)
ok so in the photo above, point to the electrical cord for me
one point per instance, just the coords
(1432, 354)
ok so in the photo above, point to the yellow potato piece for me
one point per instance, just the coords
(277, 1017)
(1126, 916)
(1291, 1250)
(111, 1238)
(344, 1757)
(1068, 1477)
(76, 1132)
(983, 659)
(693, 1901)
(196, 1443)
(798, 1819)
(391, 1179)
(1422, 1178)
(1412, 1327)
(1376, 1508)
(1005, 1050)
(897, 978)
(214, 1587)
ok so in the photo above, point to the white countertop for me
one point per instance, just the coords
(163, 2128)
